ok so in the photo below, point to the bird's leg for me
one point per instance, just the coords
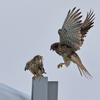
(35, 76)
(60, 65)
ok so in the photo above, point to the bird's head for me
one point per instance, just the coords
(38, 58)
(54, 46)
(27, 66)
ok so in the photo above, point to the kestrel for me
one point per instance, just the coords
(71, 38)
(35, 66)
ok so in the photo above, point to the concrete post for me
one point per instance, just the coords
(39, 88)
(44, 90)
(52, 90)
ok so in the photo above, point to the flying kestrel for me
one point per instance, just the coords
(71, 38)
(35, 66)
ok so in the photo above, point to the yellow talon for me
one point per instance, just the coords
(35, 76)
(60, 65)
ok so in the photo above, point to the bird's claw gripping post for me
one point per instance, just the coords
(35, 76)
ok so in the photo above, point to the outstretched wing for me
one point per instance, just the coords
(70, 34)
(73, 31)
(87, 24)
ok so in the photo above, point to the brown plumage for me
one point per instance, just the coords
(71, 38)
(35, 66)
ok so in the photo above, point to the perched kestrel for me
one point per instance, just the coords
(35, 66)
(71, 38)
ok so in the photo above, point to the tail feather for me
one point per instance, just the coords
(79, 70)
(75, 58)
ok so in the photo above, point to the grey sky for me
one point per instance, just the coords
(29, 27)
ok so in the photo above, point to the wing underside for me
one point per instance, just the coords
(73, 31)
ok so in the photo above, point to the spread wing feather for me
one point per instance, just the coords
(70, 33)
(73, 31)
(87, 24)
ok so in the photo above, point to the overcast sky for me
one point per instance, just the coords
(29, 27)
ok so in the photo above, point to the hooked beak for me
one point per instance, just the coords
(40, 57)
(25, 68)
(51, 49)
